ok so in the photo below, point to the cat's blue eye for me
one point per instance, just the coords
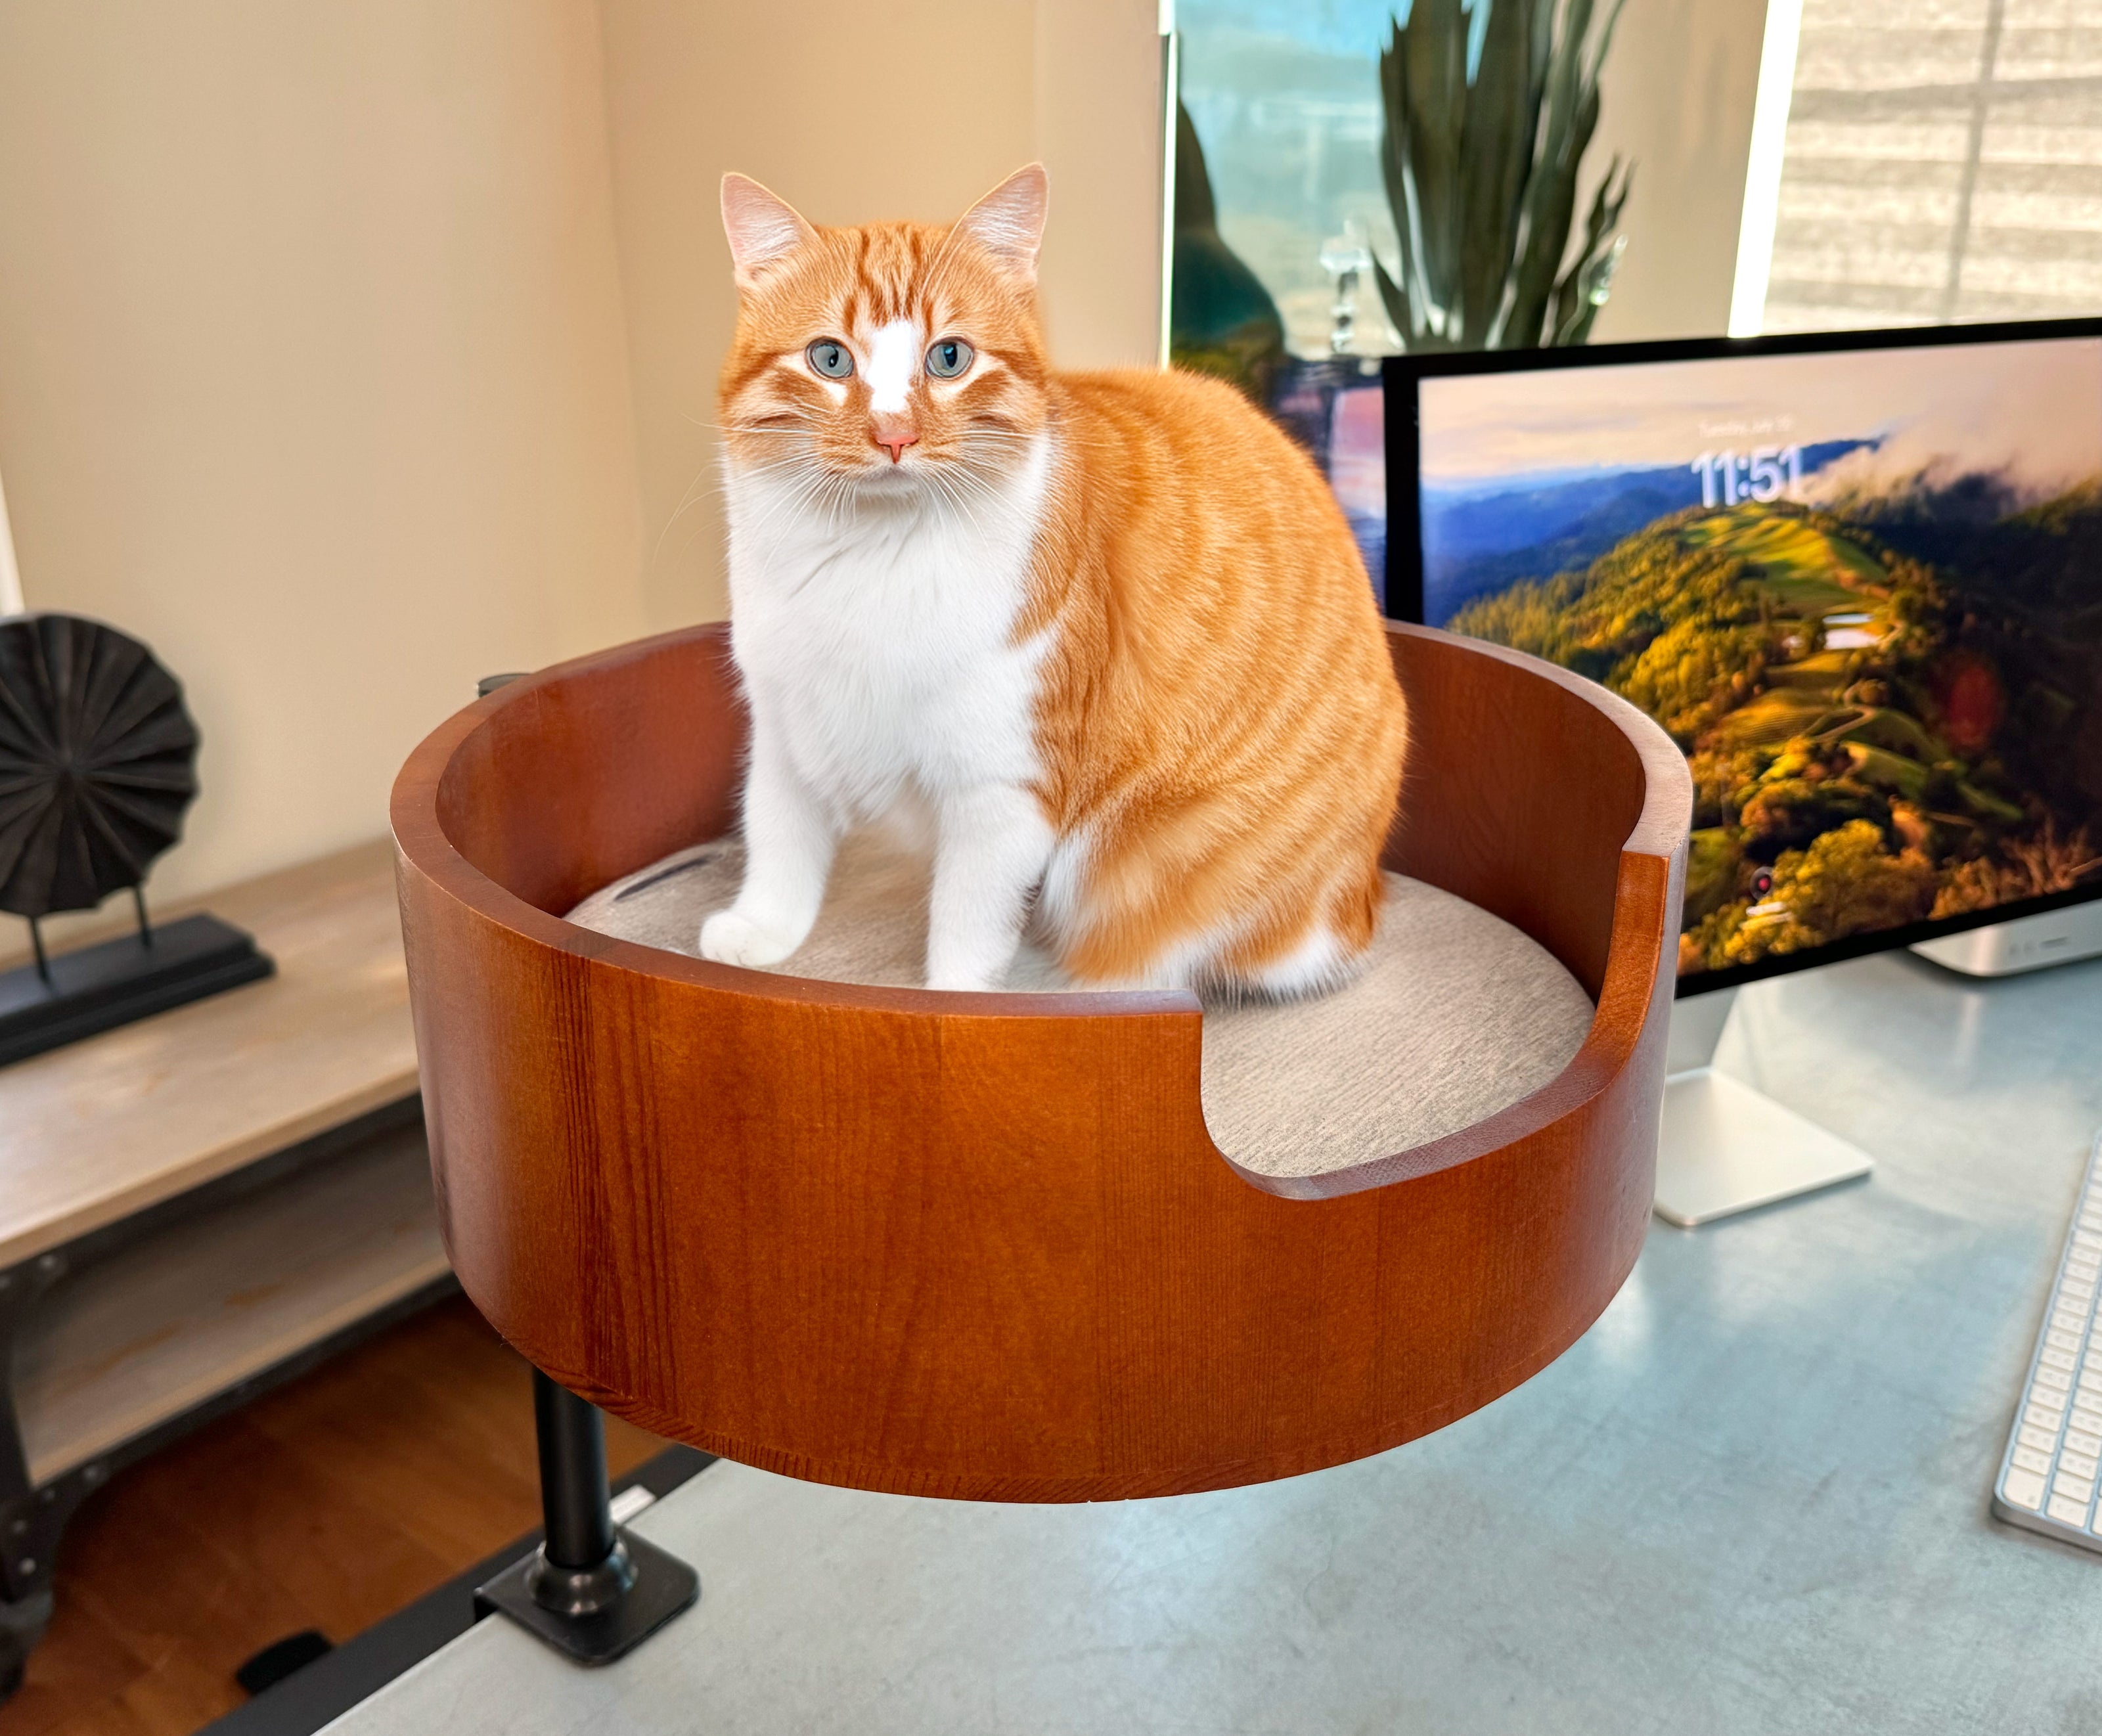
(949, 358)
(830, 359)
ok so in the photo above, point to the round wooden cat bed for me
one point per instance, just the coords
(984, 1246)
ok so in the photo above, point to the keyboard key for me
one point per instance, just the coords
(2054, 1357)
(2068, 1512)
(2025, 1489)
(2074, 1326)
(2041, 1417)
(2080, 1465)
(2030, 1459)
(2056, 1378)
(2078, 1442)
(2045, 1441)
(2080, 1488)
(2069, 1342)
(2087, 1422)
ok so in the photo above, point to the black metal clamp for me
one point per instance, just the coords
(592, 1591)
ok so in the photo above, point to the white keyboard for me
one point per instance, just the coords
(2047, 1478)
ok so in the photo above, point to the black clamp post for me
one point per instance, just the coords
(591, 1590)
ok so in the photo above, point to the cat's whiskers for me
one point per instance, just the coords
(691, 497)
(806, 485)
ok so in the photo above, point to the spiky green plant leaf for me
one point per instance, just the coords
(1482, 175)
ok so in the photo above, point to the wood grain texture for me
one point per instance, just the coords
(96, 1131)
(982, 1246)
(331, 1503)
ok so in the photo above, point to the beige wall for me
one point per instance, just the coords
(331, 365)
(854, 112)
(312, 372)
(1676, 98)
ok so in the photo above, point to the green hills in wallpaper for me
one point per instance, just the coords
(1892, 707)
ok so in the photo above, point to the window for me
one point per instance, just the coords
(1943, 161)
(1284, 96)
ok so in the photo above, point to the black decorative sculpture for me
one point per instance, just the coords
(97, 762)
(97, 768)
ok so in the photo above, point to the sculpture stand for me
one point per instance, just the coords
(592, 1591)
(59, 1000)
(1725, 1147)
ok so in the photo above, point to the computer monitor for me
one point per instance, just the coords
(1858, 577)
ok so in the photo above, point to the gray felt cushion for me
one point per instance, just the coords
(1455, 1016)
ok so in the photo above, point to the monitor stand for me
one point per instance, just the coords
(1727, 1148)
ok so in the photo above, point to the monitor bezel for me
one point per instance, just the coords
(1399, 375)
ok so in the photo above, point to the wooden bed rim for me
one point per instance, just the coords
(982, 1247)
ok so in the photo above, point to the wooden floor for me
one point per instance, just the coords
(328, 1504)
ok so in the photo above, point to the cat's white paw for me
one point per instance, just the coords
(960, 982)
(728, 938)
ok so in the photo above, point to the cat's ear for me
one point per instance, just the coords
(1009, 221)
(762, 228)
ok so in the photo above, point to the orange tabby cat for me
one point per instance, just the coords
(1109, 631)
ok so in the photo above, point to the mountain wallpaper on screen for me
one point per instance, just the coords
(1478, 540)
(1891, 701)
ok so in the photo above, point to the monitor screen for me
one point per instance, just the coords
(1859, 580)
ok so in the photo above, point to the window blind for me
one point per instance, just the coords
(1943, 162)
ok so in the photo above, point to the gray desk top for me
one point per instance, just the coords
(1753, 1498)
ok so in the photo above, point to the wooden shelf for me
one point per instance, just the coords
(96, 1132)
(205, 1302)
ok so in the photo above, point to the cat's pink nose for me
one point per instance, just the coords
(895, 437)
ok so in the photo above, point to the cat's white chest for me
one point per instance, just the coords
(879, 645)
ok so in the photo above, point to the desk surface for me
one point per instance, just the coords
(98, 1130)
(1753, 1498)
